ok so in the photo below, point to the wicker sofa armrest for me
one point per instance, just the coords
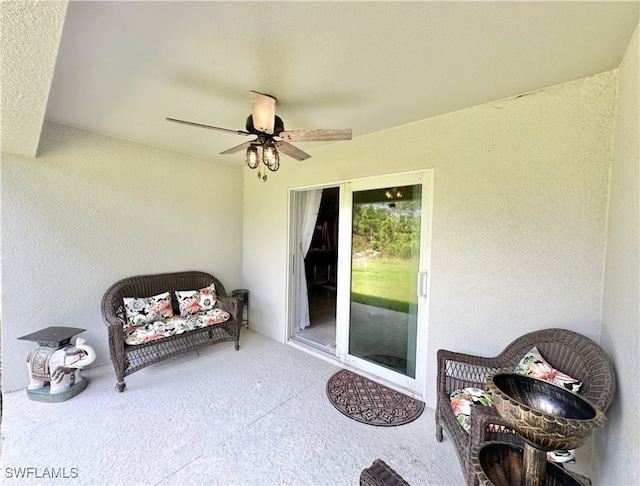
(114, 322)
(112, 318)
(232, 305)
(116, 342)
(114, 328)
(110, 311)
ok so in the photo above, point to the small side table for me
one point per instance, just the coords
(54, 366)
(244, 295)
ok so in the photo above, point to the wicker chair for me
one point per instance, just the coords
(380, 474)
(128, 359)
(567, 351)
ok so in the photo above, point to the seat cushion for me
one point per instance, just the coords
(172, 325)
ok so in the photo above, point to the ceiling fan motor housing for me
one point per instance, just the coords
(278, 126)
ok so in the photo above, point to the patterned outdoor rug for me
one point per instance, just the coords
(369, 402)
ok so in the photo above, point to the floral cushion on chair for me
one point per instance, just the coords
(197, 301)
(535, 366)
(144, 310)
(461, 401)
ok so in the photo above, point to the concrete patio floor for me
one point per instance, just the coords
(258, 416)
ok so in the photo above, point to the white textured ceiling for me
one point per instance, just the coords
(122, 67)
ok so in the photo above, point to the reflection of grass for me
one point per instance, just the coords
(386, 283)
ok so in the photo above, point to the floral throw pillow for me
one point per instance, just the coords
(144, 310)
(534, 365)
(461, 401)
(196, 301)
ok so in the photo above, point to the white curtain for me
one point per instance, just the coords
(310, 205)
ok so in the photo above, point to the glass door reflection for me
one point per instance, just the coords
(385, 262)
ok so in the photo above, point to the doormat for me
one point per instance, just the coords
(369, 402)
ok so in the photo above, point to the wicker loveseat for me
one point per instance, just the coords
(567, 351)
(128, 358)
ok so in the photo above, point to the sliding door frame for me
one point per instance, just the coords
(416, 386)
(424, 178)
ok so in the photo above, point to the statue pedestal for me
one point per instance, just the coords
(55, 341)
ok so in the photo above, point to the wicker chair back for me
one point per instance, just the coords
(567, 351)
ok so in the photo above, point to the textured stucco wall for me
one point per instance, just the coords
(29, 42)
(520, 199)
(617, 447)
(90, 210)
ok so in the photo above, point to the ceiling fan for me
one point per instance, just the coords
(271, 135)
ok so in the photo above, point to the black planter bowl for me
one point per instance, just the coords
(501, 464)
(545, 415)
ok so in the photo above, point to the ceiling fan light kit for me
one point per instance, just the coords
(252, 157)
(271, 136)
(270, 156)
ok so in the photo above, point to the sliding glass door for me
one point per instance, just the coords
(381, 277)
(385, 256)
(387, 274)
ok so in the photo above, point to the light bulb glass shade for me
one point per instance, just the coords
(270, 157)
(252, 157)
(276, 164)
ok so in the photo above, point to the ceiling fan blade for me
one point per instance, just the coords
(263, 111)
(316, 135)
(237, 148)
(291, 151)
(200, 125)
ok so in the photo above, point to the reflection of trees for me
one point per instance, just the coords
(388, 228)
